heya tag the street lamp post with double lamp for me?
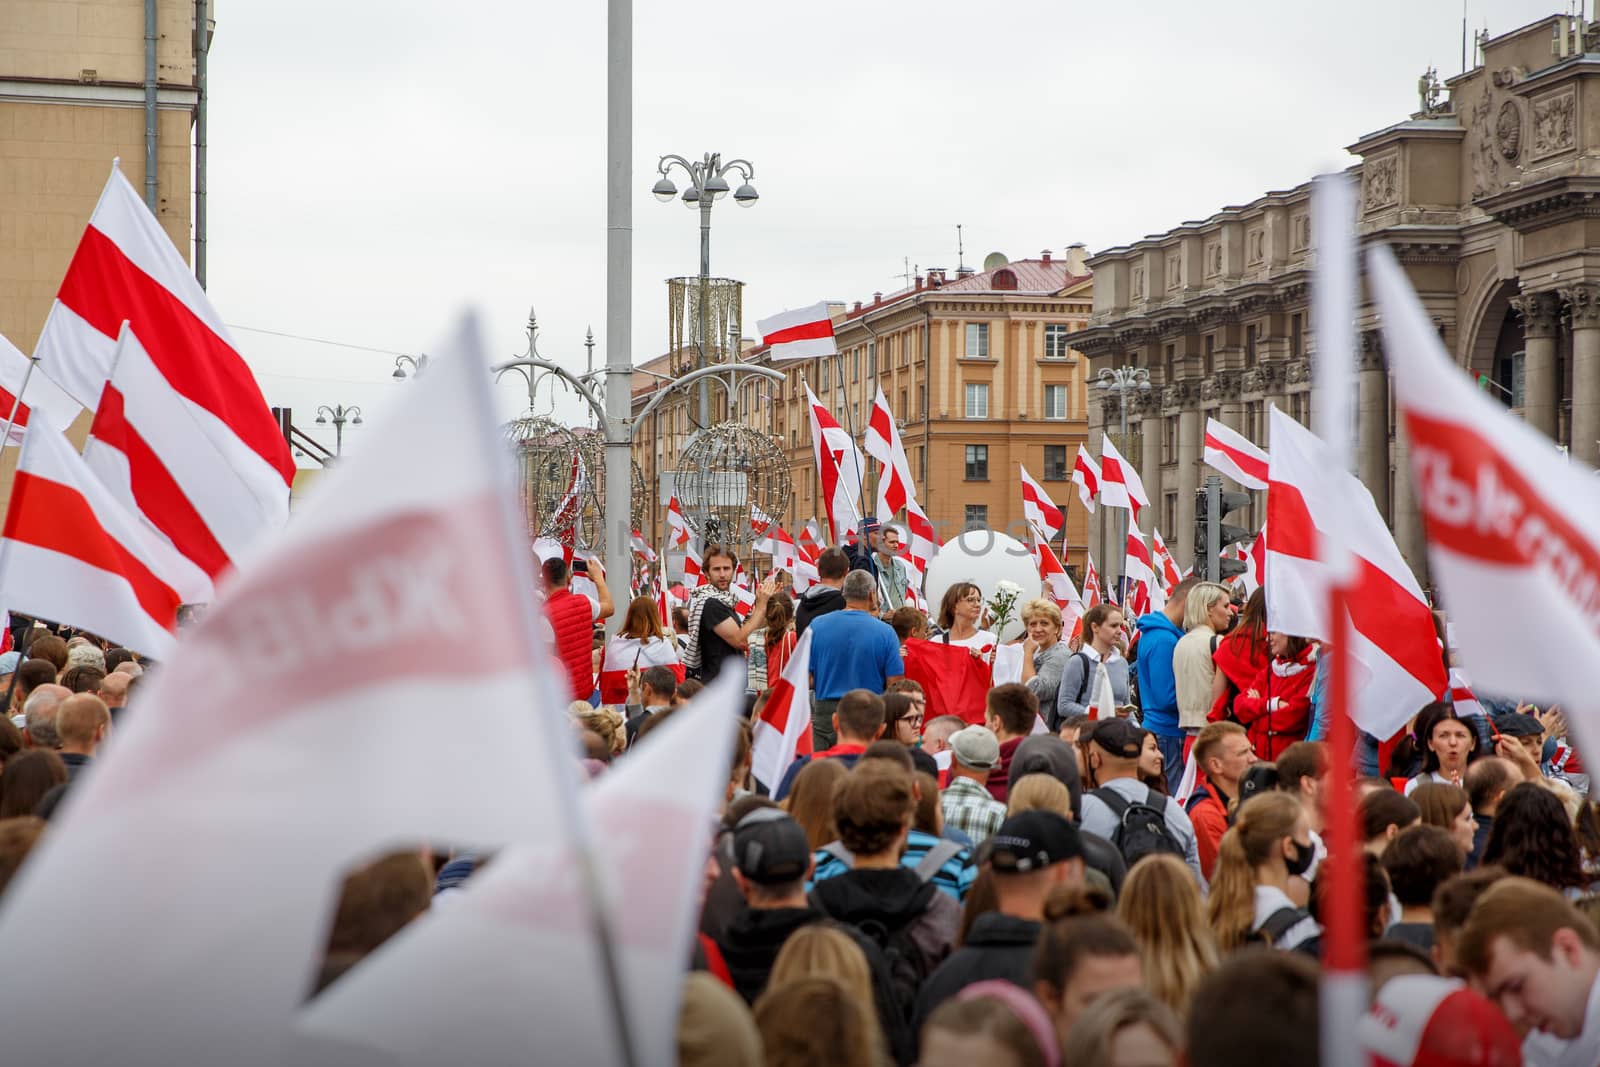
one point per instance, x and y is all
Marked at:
(338, 415)
(1124, 381)
(708, 183)
(418, 364)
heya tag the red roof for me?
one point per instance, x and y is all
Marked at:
(1027, 276)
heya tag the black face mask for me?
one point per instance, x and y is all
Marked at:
(1303, 855)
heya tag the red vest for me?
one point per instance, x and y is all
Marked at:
(572, 620)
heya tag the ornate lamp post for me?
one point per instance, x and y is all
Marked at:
(1123, 381)
(338, 415)
(418, 364)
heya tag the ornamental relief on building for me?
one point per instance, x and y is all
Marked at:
(1583, 305)
(1554, 124)
(1298, 371)
(1272, 376)
(1380, 182)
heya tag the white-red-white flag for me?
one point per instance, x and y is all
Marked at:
(71, 552)
(154, 450)
(1086, 476)
(1396, 665)
(811, 541)
(678, 533)
(839, 467)
(41, 394)
(126, 269)
(1165, 566)
(1092, 592)
(694, 575)
(1461, 694)
(1037, 507)
(882, 442)
(783, 729)
(1120, 486)
(287, 727)
(1511, 522)
(1232, 454)
(744, 598)
(642, 547)
(1058, 585)
(623, 654)
(1144, 589)
(803, 333)
(482, 978)
(923, 541)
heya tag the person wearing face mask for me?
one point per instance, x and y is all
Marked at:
(1269, 843)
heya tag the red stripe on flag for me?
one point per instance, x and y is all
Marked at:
(57, 518)
(104, 287)
(159, 497)
(775, 713)
(1256, 468)
(805, 331)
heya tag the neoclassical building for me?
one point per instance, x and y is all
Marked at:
(1490, 198)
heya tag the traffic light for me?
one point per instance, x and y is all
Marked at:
(1211, 506)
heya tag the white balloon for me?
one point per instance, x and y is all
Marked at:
(985, 558)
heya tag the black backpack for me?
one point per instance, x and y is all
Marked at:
(1141, 826)
(1280, 923)
(905, 962)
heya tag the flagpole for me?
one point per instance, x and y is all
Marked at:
(16, 402)
(850, 428)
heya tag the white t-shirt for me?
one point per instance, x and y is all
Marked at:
(977, 640)
(1411, 784)
(1269, 900)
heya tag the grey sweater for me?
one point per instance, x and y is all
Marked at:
(1076, 689)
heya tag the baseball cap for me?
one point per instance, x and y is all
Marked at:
(870, 523)
(1419, 1020)
(770, 847)
(1032, 841)
(1517, 724)
(1119, 737)
(975, 747)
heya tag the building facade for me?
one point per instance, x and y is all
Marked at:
(980, 370)
(73, 96)
(1491, 202)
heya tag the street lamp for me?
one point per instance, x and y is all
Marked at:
(708, 183)
(418, 364)
(338, 415)
(1124, 381)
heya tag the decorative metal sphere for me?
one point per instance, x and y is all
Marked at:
(562, 481)
(726, 471)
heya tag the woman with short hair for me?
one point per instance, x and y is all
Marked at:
(1043, 654)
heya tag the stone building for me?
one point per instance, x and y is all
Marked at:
(980, 370)
(1491, 201)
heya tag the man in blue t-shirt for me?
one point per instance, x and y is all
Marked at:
(850, 649)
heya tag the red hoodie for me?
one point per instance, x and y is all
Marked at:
(1280, 712)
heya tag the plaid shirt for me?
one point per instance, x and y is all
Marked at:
(969, 808)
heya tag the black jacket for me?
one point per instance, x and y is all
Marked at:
(997, 946)
(818, 600)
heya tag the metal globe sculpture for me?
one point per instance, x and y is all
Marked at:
(727, 473)
(562, 482)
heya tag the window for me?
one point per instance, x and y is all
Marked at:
(1296, 340)
(1169, 439)
(1252, 420)
(977, 463)
(1055, 463)
(1170, 506)
(872, 359)
(922, 400)
(1169, 357)
(1211, 352)
(903, 405)
(1055, 401)
(855, 367)
(905, 349)
(977, 516)
(1299, 408)
(1055, 340)
(977, 400)
(977, 340)
(1250, 345)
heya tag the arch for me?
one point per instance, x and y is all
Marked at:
(1005, 278)
(1487, 314)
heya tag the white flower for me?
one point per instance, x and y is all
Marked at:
(1008, 588)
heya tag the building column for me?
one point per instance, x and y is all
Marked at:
(1179, 541)
(1229, 387)
(1583, 302)
(1105, 526)
(1148, 408)
(1372, 422)
(1541, 390)
(1407, 518)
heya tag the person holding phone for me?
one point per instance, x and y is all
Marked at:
(572, 617)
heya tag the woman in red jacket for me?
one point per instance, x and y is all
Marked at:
(1276, 710)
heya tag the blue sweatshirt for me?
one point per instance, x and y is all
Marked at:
(1158, 689)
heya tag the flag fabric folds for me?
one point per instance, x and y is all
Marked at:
(1162, 563)
(1511, 522)
(622, 654)
(882, 442)
(1037, 507)
(955, 681)
(1144, 592)
(41, 394)
(783, 729)
(299, 696)
(1395, 657)
(1086, 476)
(126, 269)
(1231, 454)
(803, 333)
(70, 551)
(1120, 486)
(839, 469)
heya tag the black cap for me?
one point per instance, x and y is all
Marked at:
(1119, 737)
(1032, 841)
(770, 848)
(1517, 724)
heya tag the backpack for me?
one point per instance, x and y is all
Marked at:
(1141, 826)
(1278, 923)
(906, 965)
(927, 868)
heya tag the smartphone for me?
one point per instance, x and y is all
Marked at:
(580, 566)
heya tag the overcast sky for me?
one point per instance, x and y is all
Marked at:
(376, 165)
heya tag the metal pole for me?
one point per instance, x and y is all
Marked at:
(1127, 512)
(1213, 528)
(619, 380)
(150, 120)
(702, 356)
(16, 404)
(850, 428)
(202, 48)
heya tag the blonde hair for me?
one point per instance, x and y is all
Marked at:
(1263, 822)
(607, 722)
(1202, 598)
(821, 950)
(1039, 792)
(1041, 606)
(1161, 904)
(1108, 1015)
(816, 1020)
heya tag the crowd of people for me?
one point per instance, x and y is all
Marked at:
(1033, 879)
